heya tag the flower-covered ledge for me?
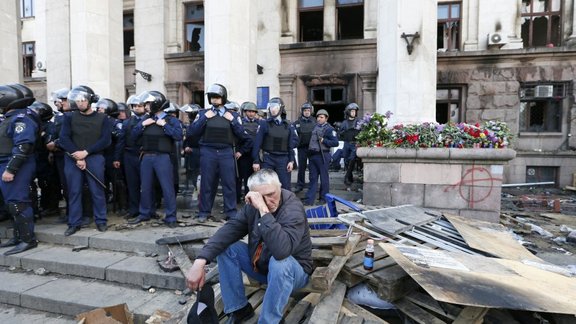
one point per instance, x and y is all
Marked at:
(463, 179)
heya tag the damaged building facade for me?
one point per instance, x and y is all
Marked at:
(506, 60)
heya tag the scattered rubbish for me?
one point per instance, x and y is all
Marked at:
(146, 287)
(182, 301)
(159, 317)
(178, 292)
(540, 230)
(571, 238)
(362, 294)
(562, 250)
(41, 271)
(78, 248)
(151, 255)
(169, 264)
(118, 314)
(565, 229)
(152, 290)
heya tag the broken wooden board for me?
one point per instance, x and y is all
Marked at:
(298, 312)
(323, 277)
(471, 315)
(399, 219)
(480, 281)
(416, 313)
(327, 309)
(181, 239)
(492, 238)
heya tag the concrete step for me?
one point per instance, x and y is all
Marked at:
(72, 296)
(14, 314)
(105, 265)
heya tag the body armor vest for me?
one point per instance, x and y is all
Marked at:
(218, 131)
(6, 142)
(155, 140)
(130, 140)
(86, 129)
(305, 132)
(277, 138)
(350, 133)
(250, 127)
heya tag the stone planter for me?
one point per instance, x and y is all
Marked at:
(465, 182)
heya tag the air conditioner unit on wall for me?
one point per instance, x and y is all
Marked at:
(543, 91)
(496, 39)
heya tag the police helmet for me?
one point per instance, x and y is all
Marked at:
(232, 105)
(8, 95)
(28, 96)
(217, 90)
(59, 95)
(133, 100)
(43, 110)
(172, 108)
(192, 110)
(109, 106)
(307, 105)
(350, 107)
(275, 107)
(122, 107)
(249, 106)
(156, 99)
(81, 93)
(322, 112)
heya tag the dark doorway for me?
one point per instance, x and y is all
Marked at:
(336, 112)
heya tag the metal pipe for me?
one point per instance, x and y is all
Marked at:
(509, 185)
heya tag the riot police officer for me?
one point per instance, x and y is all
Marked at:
(277, 138)
(250, 122)
(84, 136)
(159, 132)
(112, 153)
(222, 141)
(304, 126)
(18, 134)
(192, 149)
(348, 131)
(322, 139)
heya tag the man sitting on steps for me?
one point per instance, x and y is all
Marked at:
(278, 253)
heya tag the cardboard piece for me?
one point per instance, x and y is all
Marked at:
(117, 314)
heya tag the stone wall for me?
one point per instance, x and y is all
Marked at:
(464, 182)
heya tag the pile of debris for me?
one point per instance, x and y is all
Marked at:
(428, 268)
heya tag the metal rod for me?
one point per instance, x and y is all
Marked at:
(508, 185)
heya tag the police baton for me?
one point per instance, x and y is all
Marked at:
(100, 183)
(321, 150)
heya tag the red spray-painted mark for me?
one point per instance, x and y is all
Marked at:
(471, 177)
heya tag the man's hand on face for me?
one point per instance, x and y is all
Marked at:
(195, 277)
(255, 199)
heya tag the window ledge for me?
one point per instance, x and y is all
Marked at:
(540, 134)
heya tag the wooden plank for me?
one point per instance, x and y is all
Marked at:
(361, 312)
(322, 255)
(382, 221)
(328, 241)
(416, 313)
(357, 258)
(301, 308)
(194, 236)
(471, 315)
(429, 303)
(323, 277)
(392, 283)
(181, 258)
(325, 312)
(327, 233)
(346, 248)
(351, 320)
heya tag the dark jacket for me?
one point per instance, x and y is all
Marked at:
(284, 234)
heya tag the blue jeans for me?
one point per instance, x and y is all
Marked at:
(284, 276)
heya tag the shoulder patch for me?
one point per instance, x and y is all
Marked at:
(334, 133)
(19, 127)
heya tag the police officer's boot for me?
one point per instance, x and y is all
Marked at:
(25, 227)
(15, 240)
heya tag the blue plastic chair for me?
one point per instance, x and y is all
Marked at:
(329, 210)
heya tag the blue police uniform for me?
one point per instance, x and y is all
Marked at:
(130, 157)
(322, 139)
(91, 133)
(349, 129)
(304, 127)
(58, 155)
(18, 134)
(219, 138)
(158, 143)
(245, 169)
(277, 139)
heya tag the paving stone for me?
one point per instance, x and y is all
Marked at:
(142, 271)
(14, 314)
(86, 263)
(135, 240)
(14, 260)
(165, 300)
(50, 233)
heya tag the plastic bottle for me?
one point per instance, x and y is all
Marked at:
(369, 255)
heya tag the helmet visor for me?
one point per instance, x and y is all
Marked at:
(274, 108)
(78, 95)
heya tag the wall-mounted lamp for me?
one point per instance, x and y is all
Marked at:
(409, 38)
(145, 76)
(259, 69)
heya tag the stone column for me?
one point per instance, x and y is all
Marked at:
(472, 11)
(96, 46)
(174, 25)
(10, 51)
(230, 56)
(329, 20)
(571, 41)
(289, 21)
(407, 83)
(370, 18)
(287, 93)
(368, 102)
(150, 44)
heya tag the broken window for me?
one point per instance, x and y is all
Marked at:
(194, 27)
(541, 23)
(448, 103)
(350, 19)
(128, 25)
(541, 107)
(26, 8)
(311, 14)
(449, 26)
(541, 174)
(28, 57)
(328, 95)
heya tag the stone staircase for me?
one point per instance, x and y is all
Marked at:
(65, 276)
